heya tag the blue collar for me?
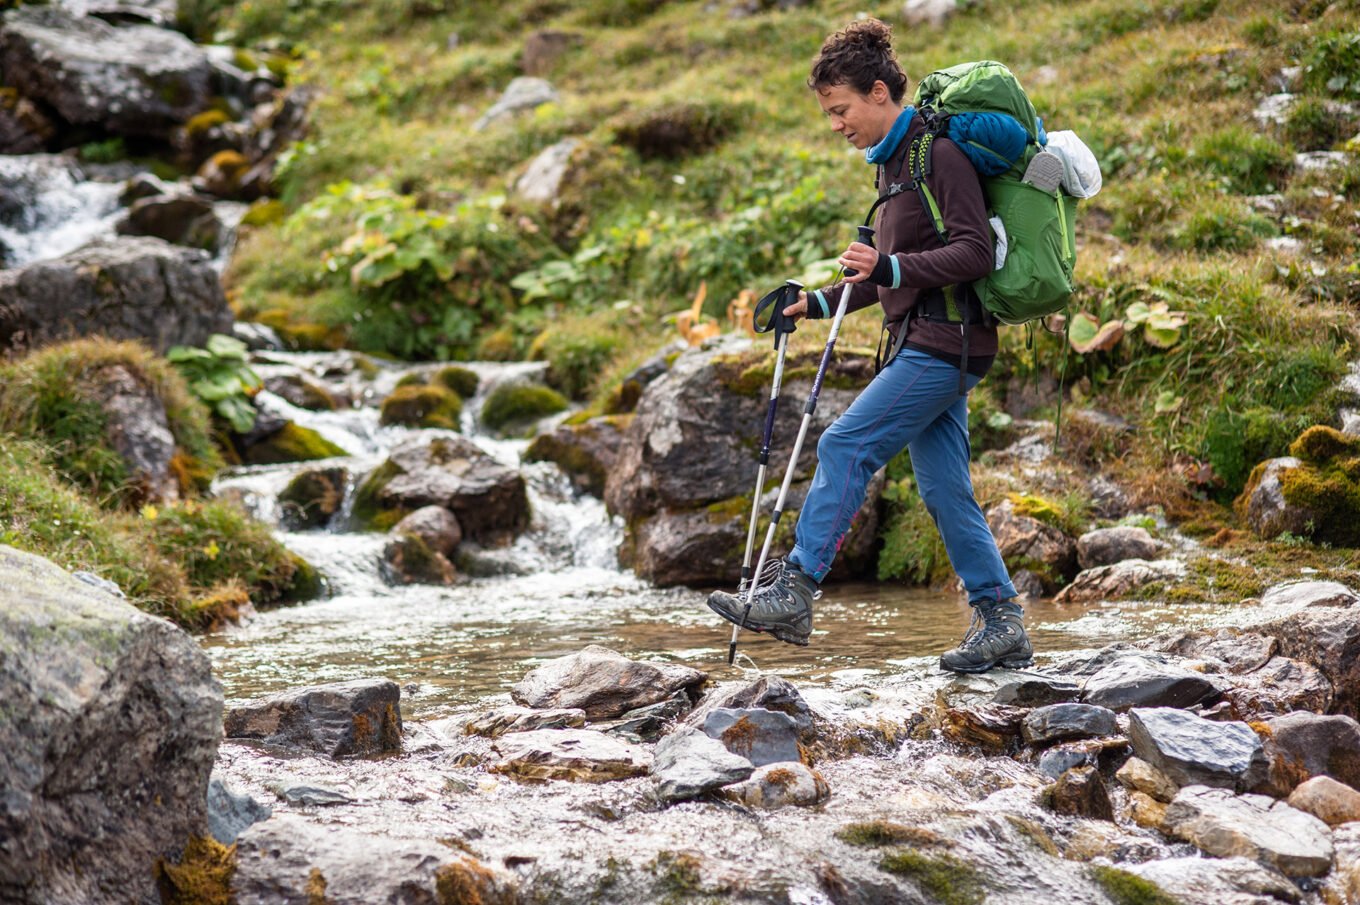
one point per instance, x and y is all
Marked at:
(884, 150)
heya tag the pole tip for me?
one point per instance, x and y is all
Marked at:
(731, 653)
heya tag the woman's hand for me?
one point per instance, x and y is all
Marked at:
(798, 309)
(861, 258)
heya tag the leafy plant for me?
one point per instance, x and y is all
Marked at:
(221, 377)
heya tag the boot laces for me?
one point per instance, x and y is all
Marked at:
(977, 629)
(774, 579)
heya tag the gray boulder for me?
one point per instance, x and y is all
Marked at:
(1281, 685)
(523, 93)
(585, 452)
(1029, 543)
(1327, 637)
(108, 733)
(761, 736)
(1063, 721)
(1238, 652)
(181, 219)
(1120, 580)
(1107, 546)
(1140, 682)
(24, 128)
(1195, 751)
(135, 81)
(132, 288)
(1037, 691)
(1268, 513)
(495, 723)
(766, 693)
(288, 859)
(136, 427)
(543, 178)
(687, 763)
(488, 498)
(1297, 595)
(436, 526)
(1222, 881)
(340, 719)
(603, 683)
(1253, 826)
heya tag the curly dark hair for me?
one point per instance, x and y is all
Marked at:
(859, 56)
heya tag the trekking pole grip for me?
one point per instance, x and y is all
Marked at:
(866, 236)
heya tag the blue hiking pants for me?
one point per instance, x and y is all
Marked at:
(913, 403)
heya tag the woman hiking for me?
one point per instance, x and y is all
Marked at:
(940, 348)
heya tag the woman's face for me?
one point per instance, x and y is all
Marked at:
(863, 119)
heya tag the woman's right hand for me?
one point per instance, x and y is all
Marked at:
(798, 309)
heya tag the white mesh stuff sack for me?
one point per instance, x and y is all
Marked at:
(1081, 170)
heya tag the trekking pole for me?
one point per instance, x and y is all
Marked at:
(781, 325)
(866, 235)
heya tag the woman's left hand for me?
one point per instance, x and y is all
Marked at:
(861, 258)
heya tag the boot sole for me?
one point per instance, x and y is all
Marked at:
(1011, 663)
(779, 632)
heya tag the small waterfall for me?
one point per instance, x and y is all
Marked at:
(49, 208)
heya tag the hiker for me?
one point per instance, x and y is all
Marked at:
(918, 400)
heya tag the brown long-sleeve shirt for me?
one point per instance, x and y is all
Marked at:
(906, 230)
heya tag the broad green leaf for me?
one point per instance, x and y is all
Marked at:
(1082, 330)
(1168, 401)
(187, 353)
(224, 346)
(1137, 312)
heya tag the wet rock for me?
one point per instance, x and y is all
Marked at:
(542, 180)
(111, 720)
(1081, 792)
(992, 726)
(1280, 686)
(761, 736)
(1146, 811)
(312, 497)
(406, 559)
(1137, 682)
(1222, 881)
(436, 526)
(584, 452)
(1028, 585)
(1329, 639)
(766, 693)
(315, 796)
(1326, 799)
(1063, 721)
(579, 755)
(1292, 595)
(603, 683)
(289, 858)
(1344, 883)
(1056, 761)
(340, 719)
(131, 288)
(1268, 513)
(689, 763)
(137, 80)
(1303, 745)
(650, 722)
(781, 785)
(495, 723)
(297, 389)
(1238, 652)
(488, 498)
(1029, 543)
(180, 219)
(1107, 546)
(1137, 774)
(1037, 691)
(1194, 751)
(230, 812)
(1120, 580)
(1252, 826)
(259, 337)
(523, 93)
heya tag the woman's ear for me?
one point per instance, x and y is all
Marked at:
(879, 92)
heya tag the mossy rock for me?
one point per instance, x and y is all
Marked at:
(1332, 495)
(368, 513)
(293, 443)
(1125, 888)
(422, 405)
(408, 559)
(265, 212)
(520, 402)
(202, 122)
(576, 352)
(462, 381)
(312, 497)
(1320, 445)
(499, 345)
(202, 876)
(303, 336)
(945, 878)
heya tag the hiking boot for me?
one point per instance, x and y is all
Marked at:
(782, 604)
(997, 636)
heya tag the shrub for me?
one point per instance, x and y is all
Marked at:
(680, 128)
(577, 351)
(1313, 125)
(1332, 64)
(1248, 162)
(52, 396)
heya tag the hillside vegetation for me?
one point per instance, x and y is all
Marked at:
(703, 161)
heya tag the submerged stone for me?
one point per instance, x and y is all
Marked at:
(230, 812)
(1222, 881)
(780, 785)
(340, 719)
(761, 736)
(581, 755)
(495, 723)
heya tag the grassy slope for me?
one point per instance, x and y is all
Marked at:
(1163, 91)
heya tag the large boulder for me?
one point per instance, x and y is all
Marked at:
(132, 288)
(108, 731)
(1302, 745)
(1327, 637)
(488, 498)
(1027, 543)
(585, 452)
(603, 683)
(136, 81)
(1268, 513)
(180, 218)
(1254, 826)
(1191, 750)
(1140, 682)
(689, 763)
(1222, 881)
(1120, 580)
(1107, 546)
(341, 719)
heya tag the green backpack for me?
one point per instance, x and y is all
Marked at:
(982, 108)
